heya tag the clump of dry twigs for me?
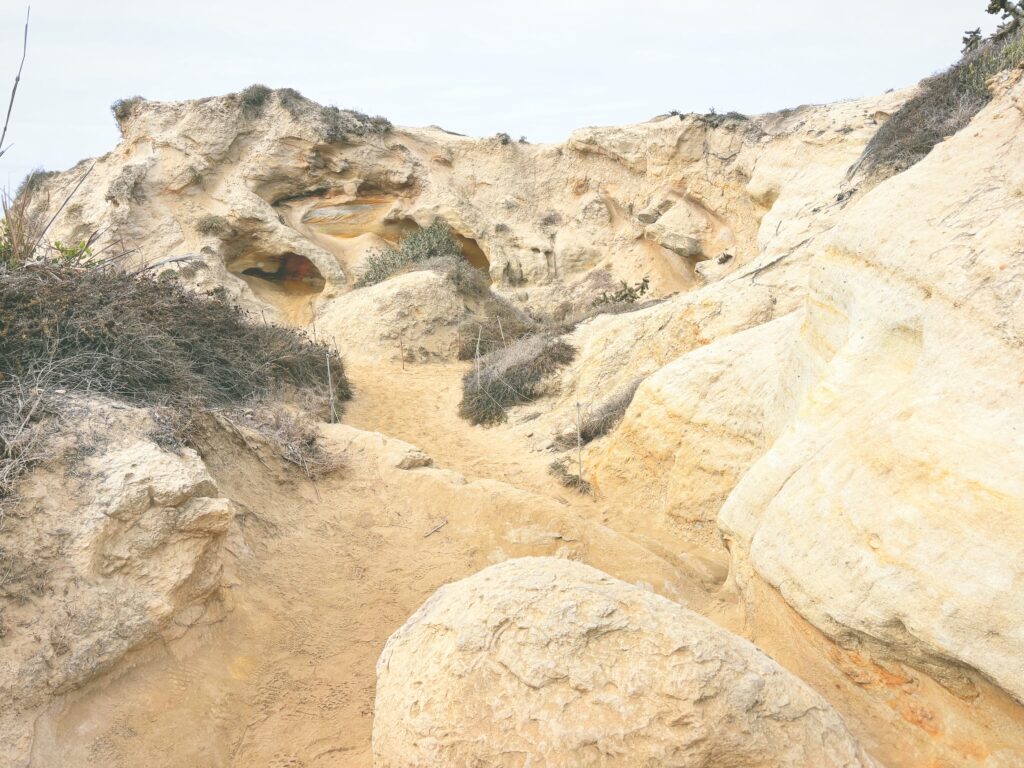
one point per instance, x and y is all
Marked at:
(509, 376)
(76, 330)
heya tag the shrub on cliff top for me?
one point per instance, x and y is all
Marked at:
(253, 99)
(945, 103)
(123, 108)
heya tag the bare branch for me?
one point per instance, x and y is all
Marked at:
(17, 79)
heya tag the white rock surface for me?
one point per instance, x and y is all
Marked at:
(543, 661)
(891, 511)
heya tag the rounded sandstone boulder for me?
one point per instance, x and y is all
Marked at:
(548, 662)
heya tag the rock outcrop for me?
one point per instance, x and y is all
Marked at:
(551, 662)
(286, 197)
(104, 554)
(909, 408)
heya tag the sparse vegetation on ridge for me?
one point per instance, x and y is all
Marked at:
(945, 103)
(122, 108)
(254, 98)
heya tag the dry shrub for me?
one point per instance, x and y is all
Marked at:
(423, 245)
(600, 421)
(144, 341)
(560, 469)
(510, 376)
(22, 228)
(501, 326)
(295, 438)
(152, 342)
(945, 103)
(24, 402)
(467, 279)
(122, 109)
(253, 99)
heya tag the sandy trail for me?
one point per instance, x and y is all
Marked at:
(420, 404)
(282, 672)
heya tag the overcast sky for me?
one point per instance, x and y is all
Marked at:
(538, 68)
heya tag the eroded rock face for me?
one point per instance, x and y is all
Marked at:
(693, 429)
(551, 662)
(103, 554)
(227, 184)
(906, 447)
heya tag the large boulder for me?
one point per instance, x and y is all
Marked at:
(543, 661)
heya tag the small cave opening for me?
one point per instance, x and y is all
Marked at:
(289, 273)
(473, 252)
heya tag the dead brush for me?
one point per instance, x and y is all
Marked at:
(503, 325)
(559, 469)
(165, 347)
(600, 420)
(22, 228)
(510, 376)
(294, 437)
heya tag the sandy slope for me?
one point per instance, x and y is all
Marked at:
(281, 671)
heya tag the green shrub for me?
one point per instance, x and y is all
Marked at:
(945, 103)
(627, 294)
(123, 108)
(253, 99)
(436, 241)
(510, 376)
(214, 226)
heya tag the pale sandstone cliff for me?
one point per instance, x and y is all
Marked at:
(830, 415)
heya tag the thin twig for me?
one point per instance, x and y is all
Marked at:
(436, 528)
(330, 387)
(17, 79)
(62, 207)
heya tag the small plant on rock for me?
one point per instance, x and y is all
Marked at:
(627, 294)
